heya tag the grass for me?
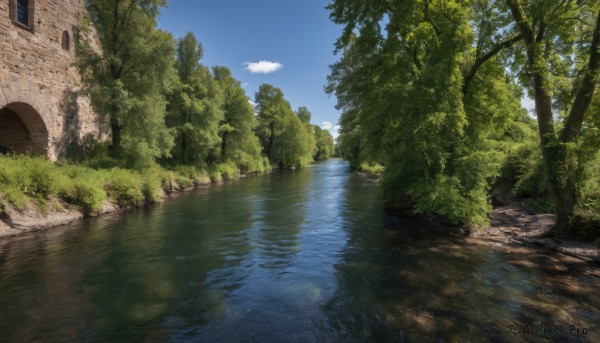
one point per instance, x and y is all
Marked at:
(373, 169)
(33, 180)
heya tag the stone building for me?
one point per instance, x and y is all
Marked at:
(41, 109)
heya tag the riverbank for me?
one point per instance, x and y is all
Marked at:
(512, 226)
(36, 194)
(17, 222)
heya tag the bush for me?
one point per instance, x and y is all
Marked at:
(191, 173)
(215, 175)
(585, 224)
(228, 170)
(373, 169)
(15, 196)
(24, 177)
(522, 175)
(125, 187)
(152, 186)
(87, 195)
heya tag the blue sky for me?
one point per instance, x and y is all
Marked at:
(295, 38)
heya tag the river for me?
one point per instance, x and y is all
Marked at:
(294, 256)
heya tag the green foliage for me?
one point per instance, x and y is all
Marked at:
(287, 139)
(215, 174)
(128, 78)
(372, 169)
(420, 113)
(228, 171)
(239, 143)
(193, 173)
(15, 196)
(152, 186)
(162, 104)
(97, 155)
(25, 180)
(79, 186)
(125, 187)
(432, 90)
(324, 146)
(195, 106)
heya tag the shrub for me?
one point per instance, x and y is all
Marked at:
(15, 196)
(228, 170)
(373, 169)
(152, 186)
(125, 187)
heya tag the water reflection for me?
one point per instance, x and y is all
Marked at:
(402, 281)
(294, 256)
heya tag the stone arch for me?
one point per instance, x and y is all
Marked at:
(22, 130)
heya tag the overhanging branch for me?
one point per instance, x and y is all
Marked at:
(480, 61)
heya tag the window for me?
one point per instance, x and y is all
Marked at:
(66, 41)
(23, 12)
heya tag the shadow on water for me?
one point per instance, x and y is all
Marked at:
(402, 280)
(296, 256)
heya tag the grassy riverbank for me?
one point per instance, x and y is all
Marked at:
(31, 180)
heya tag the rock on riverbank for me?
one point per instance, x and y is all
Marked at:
(512, 225)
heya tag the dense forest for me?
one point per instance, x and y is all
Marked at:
(172, 121)
(431, 91)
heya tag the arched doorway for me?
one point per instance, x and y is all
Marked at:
(22, 130)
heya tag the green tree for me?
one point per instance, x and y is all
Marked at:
(310, 141)
(304, 115)
(239, 143)
(195, 109)
(129, 75)
(423, 110)
(561, 56)
(271, 108)
(286, 140)
(439, 102)
(325, 147)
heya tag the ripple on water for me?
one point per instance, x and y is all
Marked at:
(295, 256)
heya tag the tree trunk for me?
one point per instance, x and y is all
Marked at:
(184, 147)
(116, 129)
(553, 150)
(271, 138)
(563, 192)
(223, 144)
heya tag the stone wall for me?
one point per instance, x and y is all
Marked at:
(38, 80)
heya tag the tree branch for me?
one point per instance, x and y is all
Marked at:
(538, 71)
(480, 61)
(586, 90)
(428, 18)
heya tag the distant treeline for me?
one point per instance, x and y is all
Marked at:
(163, 106)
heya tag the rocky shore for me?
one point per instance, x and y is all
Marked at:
(513, 225)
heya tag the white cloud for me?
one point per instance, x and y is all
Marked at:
(263, 67)
(245, 84)
(327, 125)
(334, 130)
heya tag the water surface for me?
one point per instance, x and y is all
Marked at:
(298, 256)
